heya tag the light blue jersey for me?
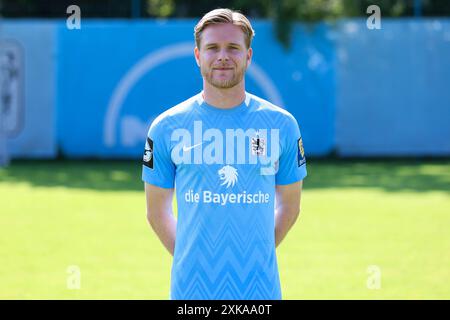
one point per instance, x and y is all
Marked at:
(224, 165)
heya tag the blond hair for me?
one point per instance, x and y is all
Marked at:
(219, 16)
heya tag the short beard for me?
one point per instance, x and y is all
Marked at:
(224, 84)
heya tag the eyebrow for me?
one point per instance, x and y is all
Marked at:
(215, 44)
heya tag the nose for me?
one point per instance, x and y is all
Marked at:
(223, 55)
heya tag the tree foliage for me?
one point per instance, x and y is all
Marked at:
(282, 12)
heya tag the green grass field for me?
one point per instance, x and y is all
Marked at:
(391, 214)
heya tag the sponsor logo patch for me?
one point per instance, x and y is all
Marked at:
(300, 153)
(148, 154)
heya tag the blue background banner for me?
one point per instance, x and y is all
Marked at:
(115, 77)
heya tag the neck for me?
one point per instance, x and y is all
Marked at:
(224, 98)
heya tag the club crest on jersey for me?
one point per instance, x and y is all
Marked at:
(258, 145)
(301, 153)
(228, 175)
(148, 154)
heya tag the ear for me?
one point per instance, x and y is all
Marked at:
(197, 56)
(249, 56)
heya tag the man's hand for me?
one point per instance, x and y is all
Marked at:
(287, 208)
(160, 216)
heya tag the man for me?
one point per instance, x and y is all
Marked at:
(226, 153)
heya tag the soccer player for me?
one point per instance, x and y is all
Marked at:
(227, 154)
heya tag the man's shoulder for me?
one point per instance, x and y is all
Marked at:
(274, 111)
(172, 114)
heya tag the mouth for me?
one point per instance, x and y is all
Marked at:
(222, 69)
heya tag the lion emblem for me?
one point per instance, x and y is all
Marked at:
(229, 175)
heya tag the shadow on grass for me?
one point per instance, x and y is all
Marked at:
(390, 175)
(82, 174)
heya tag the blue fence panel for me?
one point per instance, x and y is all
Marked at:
(35, 41)
(393, 94)
(364, 92)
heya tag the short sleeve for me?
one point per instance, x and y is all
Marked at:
(157, 166)
(292, 162)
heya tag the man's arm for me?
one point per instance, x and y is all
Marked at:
(160, 216)
(287, 209)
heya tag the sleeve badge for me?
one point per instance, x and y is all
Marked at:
(148, 154)
(300, 153)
